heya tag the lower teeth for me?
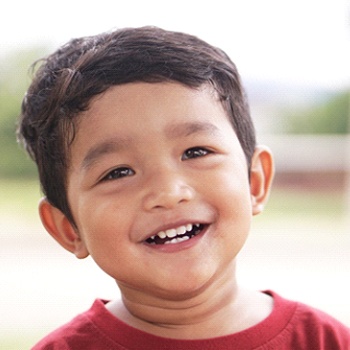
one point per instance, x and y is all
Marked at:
(177, 240)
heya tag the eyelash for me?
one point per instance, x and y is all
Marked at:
(118, 173)
(195, 152)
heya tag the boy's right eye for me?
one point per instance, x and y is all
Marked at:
(118, 173)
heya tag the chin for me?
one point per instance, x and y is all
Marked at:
(186, 286)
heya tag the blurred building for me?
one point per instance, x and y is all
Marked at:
(312, 161)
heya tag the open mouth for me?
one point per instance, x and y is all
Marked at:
(176, 235)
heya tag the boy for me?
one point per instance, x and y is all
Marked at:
(147, 158)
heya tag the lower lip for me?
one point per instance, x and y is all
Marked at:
(175, 247)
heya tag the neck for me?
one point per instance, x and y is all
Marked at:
(218, 309)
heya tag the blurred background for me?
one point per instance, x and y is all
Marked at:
(293, 57)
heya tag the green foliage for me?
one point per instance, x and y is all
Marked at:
(329, 117)
(14, 80)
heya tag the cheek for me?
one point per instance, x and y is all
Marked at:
(231, 193)
(231, 188)
(105, 237)
(100, 224)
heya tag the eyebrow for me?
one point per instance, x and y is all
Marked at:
(190, 128)
(106, 147)
(117, 144)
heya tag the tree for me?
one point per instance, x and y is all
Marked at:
(14, 80)
(328, 117)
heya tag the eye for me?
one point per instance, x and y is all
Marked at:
(118, 173)
(195, 152)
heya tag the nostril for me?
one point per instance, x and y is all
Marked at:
(167, 197)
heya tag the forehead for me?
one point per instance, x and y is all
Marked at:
(133, 96)
(147, 102)
(147, 111)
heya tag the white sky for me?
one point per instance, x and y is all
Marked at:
(294, 41)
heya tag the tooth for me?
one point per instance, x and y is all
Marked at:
(161, 234)
(173, 241)
(189, 227)
(171, 233)
(181, 230)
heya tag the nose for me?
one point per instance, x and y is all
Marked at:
(165, 189)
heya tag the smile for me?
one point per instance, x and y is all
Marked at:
(176, 235)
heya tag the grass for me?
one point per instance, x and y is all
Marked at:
(20, 197)
(291, 201)
(288, 209)
(309, 211)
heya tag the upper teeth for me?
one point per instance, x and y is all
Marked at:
(171, 233)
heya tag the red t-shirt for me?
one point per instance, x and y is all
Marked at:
(290, 325)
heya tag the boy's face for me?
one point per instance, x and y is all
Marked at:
(151, 160)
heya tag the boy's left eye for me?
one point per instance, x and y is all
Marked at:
(195, 152)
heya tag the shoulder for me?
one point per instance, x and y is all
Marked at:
(322, 323)
(79, 333)
(309, 327)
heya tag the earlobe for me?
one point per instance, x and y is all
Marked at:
(61, 229)
(261, 176)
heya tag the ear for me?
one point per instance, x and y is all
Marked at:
(61, 229)
(261, 175)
